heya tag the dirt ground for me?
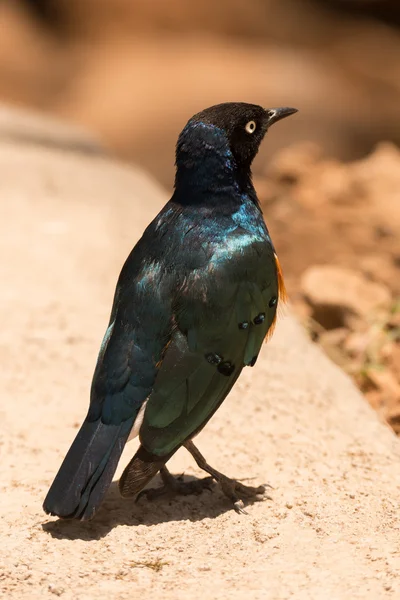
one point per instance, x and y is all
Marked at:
(336, 226)
(69, 216)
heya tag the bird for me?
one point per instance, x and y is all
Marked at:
(194, 301)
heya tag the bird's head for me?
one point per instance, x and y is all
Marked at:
(230, 133)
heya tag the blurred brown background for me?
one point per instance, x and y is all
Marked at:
(134, 71)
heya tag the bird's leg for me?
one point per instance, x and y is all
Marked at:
(174, 486)
(234, 490)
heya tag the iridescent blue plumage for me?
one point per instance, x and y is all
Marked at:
(194, 301)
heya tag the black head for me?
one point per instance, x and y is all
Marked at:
(244, 126)
(216, 148)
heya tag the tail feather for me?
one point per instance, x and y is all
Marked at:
(86, 473)
(140, 471)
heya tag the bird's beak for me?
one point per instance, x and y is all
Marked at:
(276, 114)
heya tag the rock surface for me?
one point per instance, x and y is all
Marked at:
(67, 222)
(337, 228)
(344, 294)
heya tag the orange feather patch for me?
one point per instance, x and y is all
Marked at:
(282, 295)
(281, 284)
(159, 363)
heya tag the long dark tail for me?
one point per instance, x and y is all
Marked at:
(88, 468)
(140, 471)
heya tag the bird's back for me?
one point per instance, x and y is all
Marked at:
(224, 293)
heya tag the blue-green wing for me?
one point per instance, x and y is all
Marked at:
(220, 327)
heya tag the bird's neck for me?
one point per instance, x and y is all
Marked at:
(206, 170)
(203, 183)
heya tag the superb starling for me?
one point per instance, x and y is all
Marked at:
(194, 301)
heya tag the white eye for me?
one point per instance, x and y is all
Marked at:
(251, 127)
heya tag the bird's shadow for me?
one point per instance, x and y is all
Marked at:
(116, 511)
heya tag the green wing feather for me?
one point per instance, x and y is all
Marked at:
(189, 388)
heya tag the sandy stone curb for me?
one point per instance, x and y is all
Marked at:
(67, 222)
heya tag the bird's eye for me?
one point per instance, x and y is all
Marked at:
(251, 127)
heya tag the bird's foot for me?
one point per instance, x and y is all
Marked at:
(237, 491)
(174, 486)
(234, 490)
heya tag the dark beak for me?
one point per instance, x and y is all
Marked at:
(276, 114)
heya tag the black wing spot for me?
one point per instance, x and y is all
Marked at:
(253, 361)
(259, 319)
(226, 368)
(273, 302)
(244, 325)
(213, 359)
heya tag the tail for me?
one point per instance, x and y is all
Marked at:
(86, 473)
(140, 471)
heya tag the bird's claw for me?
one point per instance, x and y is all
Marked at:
(236, 491)
(239, 507)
